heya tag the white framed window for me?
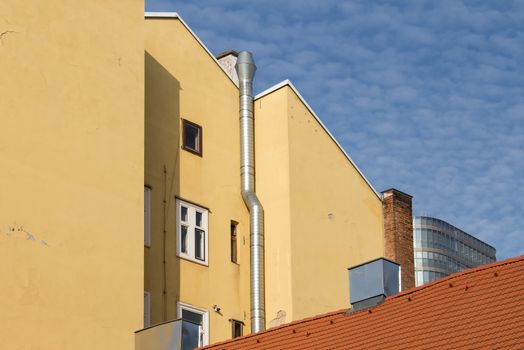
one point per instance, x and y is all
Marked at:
(147, 216)
(147, 309)
(196, 315)
(192, 227)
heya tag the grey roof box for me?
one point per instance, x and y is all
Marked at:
(371, 282)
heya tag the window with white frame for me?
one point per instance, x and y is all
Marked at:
(147, 309)
(147, 216)
(196, 315)
(192, 237)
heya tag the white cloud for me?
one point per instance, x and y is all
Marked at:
(425, 96)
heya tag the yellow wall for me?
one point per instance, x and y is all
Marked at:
(74, 165)
(334, 219)
(183, 81)
(302, 177)
(71, 154)
(273, 189)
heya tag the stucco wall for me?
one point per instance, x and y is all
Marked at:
(336, 218)
(321, 215)
(183, 81)
(273, 189)
(71, 154)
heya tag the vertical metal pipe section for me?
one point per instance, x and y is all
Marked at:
(245, 68)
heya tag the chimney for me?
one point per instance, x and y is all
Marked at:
(398, 233)
(227, 60)
(371, 282)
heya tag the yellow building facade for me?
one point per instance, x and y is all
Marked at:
(185, 83)
(321, 214)
(71, 160)
(332, 216)
(121, 189)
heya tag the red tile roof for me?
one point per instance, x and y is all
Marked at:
(480, 308)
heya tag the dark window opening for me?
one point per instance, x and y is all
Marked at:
(234, 249)
(236, 328)
(183, 239)
(192, 137)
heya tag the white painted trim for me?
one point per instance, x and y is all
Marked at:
(191, 226)
(290, 84)
(205, 318)
(174, 15)
(274, 88)
(161, 15)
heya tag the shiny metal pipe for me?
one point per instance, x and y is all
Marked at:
(245, 68)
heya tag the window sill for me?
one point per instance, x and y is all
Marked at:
(190, 150)
(196, 261)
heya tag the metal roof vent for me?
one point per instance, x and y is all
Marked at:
(371, 282)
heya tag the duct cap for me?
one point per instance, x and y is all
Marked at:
(371, 282)
(245, 66)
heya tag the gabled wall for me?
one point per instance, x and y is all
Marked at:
(184, 81)
(334, 217)
(71, 160)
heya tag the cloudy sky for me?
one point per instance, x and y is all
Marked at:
(426, 97)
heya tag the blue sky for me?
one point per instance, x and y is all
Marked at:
(426, 97)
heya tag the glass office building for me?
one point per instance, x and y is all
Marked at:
(442, 249)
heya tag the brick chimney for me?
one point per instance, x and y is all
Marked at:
(398, 233)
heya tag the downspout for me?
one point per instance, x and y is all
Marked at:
(245, 68)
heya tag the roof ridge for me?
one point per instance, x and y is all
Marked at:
(457, 275)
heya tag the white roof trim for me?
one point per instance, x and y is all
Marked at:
(174, 15)
(290, 84)
(161, 15)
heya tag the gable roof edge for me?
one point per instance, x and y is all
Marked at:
(175, 15)
(287, 82)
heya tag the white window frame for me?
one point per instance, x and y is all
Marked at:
(191, 226)
(147, 216)
(147, 309)
(205, 319)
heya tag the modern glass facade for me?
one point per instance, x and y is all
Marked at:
(442, 249)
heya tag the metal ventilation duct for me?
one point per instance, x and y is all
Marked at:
(245, 68)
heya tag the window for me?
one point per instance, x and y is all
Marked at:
(236, 328)
(233, 239)
(147, 216)
(147, 309)
(195, 315)
(192, 242)
(192, 137)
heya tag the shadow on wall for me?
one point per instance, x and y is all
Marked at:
(162, 169)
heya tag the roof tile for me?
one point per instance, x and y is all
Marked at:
(474, 309)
